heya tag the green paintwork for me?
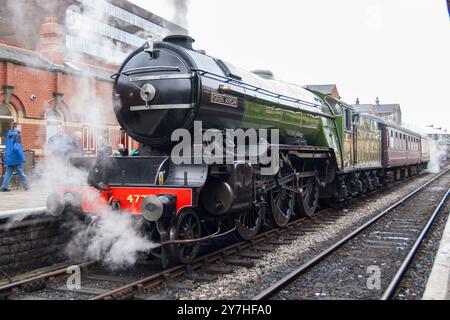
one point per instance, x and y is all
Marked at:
(314, 129)
(321, 131)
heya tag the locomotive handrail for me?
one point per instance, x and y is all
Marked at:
(215, 235)
(129, 72)
(255, 88)
(247, 86)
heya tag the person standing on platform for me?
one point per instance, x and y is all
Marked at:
(77, 146)
(58, 163)
(14, 158)
(104, 149)
(60, 145)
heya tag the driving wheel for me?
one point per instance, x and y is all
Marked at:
(185, 226)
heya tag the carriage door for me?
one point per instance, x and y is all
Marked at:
(350, 137)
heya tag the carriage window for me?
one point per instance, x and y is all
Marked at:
(396, 140)
(348, 119)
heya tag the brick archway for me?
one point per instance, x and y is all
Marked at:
(60, 107)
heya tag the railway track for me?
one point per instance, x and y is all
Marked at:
(43, 279)
(396, 229)
(241, 254)
(204, 269)
(39, 278)
(218, 262)
(136, 289)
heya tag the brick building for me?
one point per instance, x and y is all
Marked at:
(441, 136)
(56, 62)
(328, 89)
(388, 112)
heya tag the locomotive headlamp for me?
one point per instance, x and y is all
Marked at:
(56, 204)
(153, 207)
(148, 92)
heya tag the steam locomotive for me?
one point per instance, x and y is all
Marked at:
(323, 150)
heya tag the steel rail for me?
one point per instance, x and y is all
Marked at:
(9, 288)
(276, 287)
(389, 292)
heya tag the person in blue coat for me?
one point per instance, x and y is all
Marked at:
(14, 158)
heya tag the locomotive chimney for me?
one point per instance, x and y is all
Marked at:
(181, 40)
(52, 40)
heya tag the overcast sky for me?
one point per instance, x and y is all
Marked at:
(396, 50)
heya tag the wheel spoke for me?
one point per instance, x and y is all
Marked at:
(306, 199)
(307, 203)
(249, 223)
(186, 227)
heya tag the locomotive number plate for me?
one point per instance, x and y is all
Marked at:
(224, 100)
(135, 198)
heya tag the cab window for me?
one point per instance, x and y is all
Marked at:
(348, 119)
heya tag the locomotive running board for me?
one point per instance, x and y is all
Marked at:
(309, 155)
(162, 107)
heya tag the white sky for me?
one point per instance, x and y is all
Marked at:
(397, 50)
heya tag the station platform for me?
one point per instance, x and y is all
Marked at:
(438, 285)
(23, 203)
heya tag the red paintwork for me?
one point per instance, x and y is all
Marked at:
(94, 201)
(403, 155)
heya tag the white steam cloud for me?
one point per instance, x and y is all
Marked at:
(438, 154)
(26, 21)
(114, 238)
(181, 12)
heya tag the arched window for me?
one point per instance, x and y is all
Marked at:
(6, 122)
